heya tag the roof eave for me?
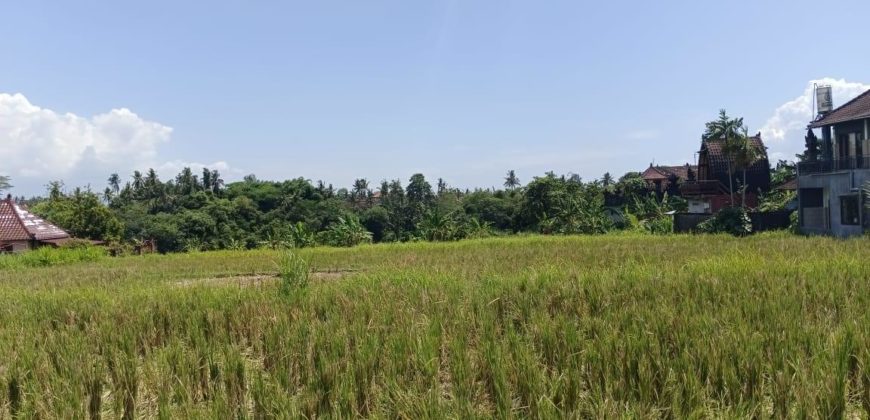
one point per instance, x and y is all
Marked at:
(824, 122)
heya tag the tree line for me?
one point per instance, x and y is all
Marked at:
(202, 212)
(199, 211)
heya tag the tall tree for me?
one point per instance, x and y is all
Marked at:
(115, 183)
(811, 154)
(746, 154)
(442, 187)
(217, 184)
(4, 183)
(360, 192)
(511, 181)
(606, 180)
(729, 131)
(419, 190)
(137, 183)
(206, 179)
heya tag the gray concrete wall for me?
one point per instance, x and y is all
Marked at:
(837, 184)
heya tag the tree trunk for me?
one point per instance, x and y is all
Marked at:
(745, 186)
(731, 182)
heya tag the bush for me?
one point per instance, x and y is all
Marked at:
(346, 232)
(48, 256)
(293, 271)
(733, 220)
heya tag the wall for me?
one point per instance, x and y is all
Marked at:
(761, 221)
(719, 202)
(837, 184)
(20, 246)
(698, 206)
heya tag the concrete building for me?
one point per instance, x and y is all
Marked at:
(836, 168)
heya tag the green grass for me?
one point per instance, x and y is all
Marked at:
(610, 326)
(48, 256)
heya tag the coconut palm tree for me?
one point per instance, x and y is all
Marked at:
(729, 131)
(115, 183)
(511, 181)
(606, 180)
(360, 191)
(4, 183)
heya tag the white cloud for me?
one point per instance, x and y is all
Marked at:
(39, 144)
(785, 130)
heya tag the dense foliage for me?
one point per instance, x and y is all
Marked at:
(201, 212)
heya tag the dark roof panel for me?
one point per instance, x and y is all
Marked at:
(757, 175)
(665, 172)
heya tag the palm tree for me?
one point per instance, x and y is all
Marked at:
(115, 183)
(606, 180)
(729, 131)
(217, 184)
(360, 191)
(511, 181)
(4, 183)
(746, 153)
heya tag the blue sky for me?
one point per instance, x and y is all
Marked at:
(462, 90)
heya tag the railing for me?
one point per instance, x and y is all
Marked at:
(703, 187)
(842, 164)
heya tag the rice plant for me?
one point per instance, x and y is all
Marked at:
(768, 326)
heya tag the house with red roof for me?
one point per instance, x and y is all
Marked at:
(21, 230)
(667, 179)
(711, 190)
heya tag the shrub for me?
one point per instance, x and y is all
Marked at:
(47, 256)
(733, 220)
(346, 232)
(293, 271)
(300, 236)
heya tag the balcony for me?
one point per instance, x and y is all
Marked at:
(825, 166)
(703, 188)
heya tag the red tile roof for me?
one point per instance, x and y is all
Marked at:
(789, 185)
(665, 172)
(855, 109)
(18, 224)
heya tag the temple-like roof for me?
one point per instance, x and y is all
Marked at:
(18, 224)
(757, 174)
(665, 172)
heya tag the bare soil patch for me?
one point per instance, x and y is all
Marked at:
(255, 280)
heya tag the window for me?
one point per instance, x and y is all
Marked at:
(849, 210)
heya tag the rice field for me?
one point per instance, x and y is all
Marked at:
(768, 326)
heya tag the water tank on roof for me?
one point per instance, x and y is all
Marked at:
(824, 101)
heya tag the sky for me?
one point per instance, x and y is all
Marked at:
(459, 90)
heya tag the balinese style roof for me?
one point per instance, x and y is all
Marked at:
(665, 172)
(855, 109)
(788, 185)
(757, 175)
(18, 224)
